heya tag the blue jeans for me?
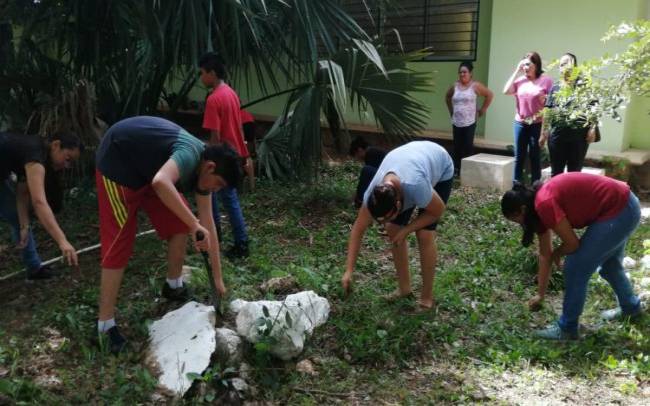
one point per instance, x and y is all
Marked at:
(8, 213)
(602, 246)
(229, 199)
(527, 144)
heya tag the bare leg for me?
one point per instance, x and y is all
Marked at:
(110, 287)
(401, 260)
(176, 246)
(428, 261)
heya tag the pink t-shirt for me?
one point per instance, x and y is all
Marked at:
(222, 114)
(530, 97)
(580, 197)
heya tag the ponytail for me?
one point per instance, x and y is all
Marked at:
(511, 203)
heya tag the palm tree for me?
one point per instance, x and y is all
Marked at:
(131, 51)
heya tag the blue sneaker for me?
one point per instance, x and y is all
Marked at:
(554, 332)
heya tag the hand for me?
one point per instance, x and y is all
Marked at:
(346, 283)
(202, 244)
(481, 112)
(557, 259)
(535, 303)
(221, 288)
(520, 65)
(399, 237)
(543, 138)
(591, 135)
(69, 253)
(24, 236)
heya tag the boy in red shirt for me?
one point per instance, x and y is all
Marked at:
(222, 118)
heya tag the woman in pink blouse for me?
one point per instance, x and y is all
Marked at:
(530, 87)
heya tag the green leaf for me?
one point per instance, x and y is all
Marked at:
(265, 310)
(192, 376)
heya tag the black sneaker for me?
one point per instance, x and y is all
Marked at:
(181, 294)
(111, 339)
(238, 251)
(44, 272)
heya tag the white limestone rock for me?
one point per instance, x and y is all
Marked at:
(230, 347)
(629, 263)
(645, 213)
(645, 263)
(181, 342)
(645, 283)
(306, 311)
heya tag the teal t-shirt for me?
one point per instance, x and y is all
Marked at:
(133, 151)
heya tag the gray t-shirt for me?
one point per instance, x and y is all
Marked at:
(419, 165)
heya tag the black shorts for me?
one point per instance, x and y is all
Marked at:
(443, 189)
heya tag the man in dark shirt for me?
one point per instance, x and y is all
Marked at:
(143, 163)
(371, 158)
(28, 158)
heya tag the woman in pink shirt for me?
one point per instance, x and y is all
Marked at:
(574, 200)
(530, 87)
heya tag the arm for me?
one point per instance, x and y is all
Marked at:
(361, 224)
(22, 207)
(35, 182)
(545, 129)
(570, 241)
(429, 214)
(448, 96)
(204, 205)
(509, 88)
(163, 184)
(488, 96)
(543, 270)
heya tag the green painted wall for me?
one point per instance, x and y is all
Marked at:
(637, 117)
(443, 75)
(553, 27)
(446, 73)
(507, 30)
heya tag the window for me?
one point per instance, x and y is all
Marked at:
(448, 27)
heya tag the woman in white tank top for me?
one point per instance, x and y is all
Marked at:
(461, 101)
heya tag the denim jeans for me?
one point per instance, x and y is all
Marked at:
(230, 200)
(527, 144)
(8, 213)
(463, 144)
(602, 246)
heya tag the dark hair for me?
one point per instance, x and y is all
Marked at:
(68, 140)
(382, 200)
(357, 143)
(573, 58)
(227, 163)
(522, 195)
(466, 64)
(211, 62)
(537, 61)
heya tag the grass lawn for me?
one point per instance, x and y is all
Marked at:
(476, 346)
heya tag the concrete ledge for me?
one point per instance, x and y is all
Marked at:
(636, 157)
(487, 171)
(546, 172)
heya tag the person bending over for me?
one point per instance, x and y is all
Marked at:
(144, 163)
(418, 174)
